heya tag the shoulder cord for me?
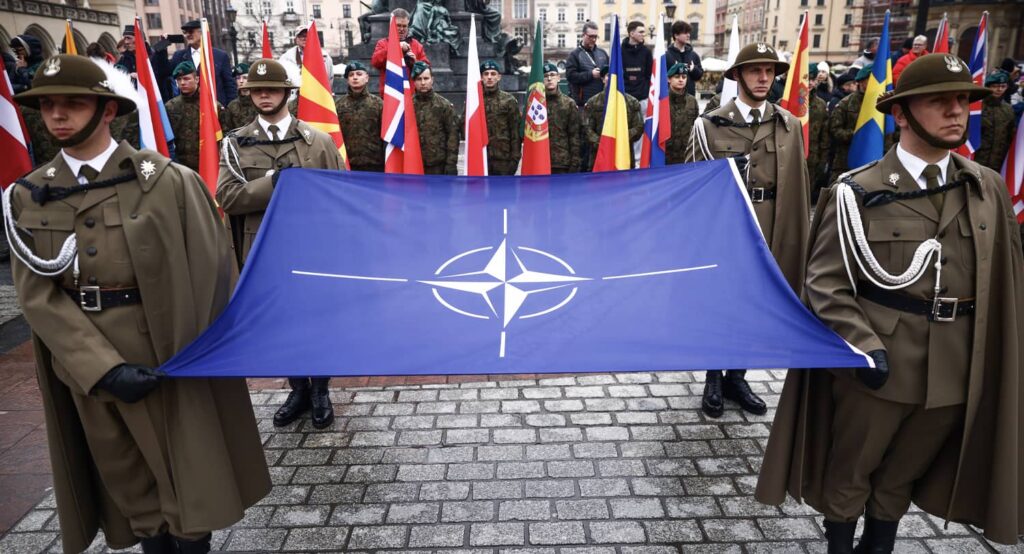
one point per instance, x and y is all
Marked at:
(699, 138)
(229, 153)
(47, 268)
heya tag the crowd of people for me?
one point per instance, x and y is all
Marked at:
(934, 420)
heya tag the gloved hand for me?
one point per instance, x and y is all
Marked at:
(129, 382)
(874, 378)
(741, 162)
(277, 173)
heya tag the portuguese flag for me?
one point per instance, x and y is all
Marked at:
(536, 150)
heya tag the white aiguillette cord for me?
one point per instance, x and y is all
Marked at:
(47, 268)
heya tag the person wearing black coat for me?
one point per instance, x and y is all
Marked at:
(28, 52)
(680, 51)
(583, 66)
(157, 59)
(637, 61)
(227, 90)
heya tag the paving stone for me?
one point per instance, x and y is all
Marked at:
(18, 543)
(391, 492)
(458, 395)
(373, 438)
(773, 547)
(357, 456)
(490, 490)
(548, 452)
(581, 509)
(421, 472)
(687, 449)
(405, 455)
(954, 545)
(437, 535)
(381, 396)
(285, 494)
(690, 432)
(571, 469)
(692, 506)
(456, 421)
(371, 474)
(300, 516)
(422, 512)
(450, 455)
(523, 470)
(679, 417)
(413, 422)
(914, 525)
(481, 407)
(439, 408)
(336, 494)
(467, 511)
(722, 466)
(561, 435)
(444, 491)
(545, 420)
(256, 516)
(731, 530)
(557, 533)
(645, 404)
(464, 436)
(636, 508)
(394, 409)
(33, 521)
(499, 394)
(503, 453)
(417, 396)
(625, 391)
(657, 486)
(595, 450)
(359, 514)
(606, 433)
(520, 407)
(508, 436)
(497, 534)
(673, 531)
(788, 528)
(256, 540)
(563, 405)
(735, 447)
(636, 418)
(317, 474)
(420, 438)
(463, 472)
(524, 510)
(713, 486)
(542, 393)
(492, 421)
(745, 506)
(603, 487)
(649, 550)
(746, 431)
(323, 538)
(550, 488)
(642, 449)
(384, 536)
(584, 392)
(617, 531)
(671, 467)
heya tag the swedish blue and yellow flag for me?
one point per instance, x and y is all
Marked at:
(872, 125)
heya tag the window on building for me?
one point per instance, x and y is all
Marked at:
(265, 8)
(270, 37)
(581, 15)
(291, 36)
(816, 43)
(152, 2)
(561, 15)
(251, 37)
(248, 8)
(848, 19)
(153, 21)
(346, 11)
(783, 44)
(818, 18)
(803, 2)
(523, 34)
(561, 40)
(607, 32)
(846, 40)
(542, 14)
(776, 24)
(289, 6)
(520, 9)
(849, 3)
(821, 2)
(348, 39)
(316, 11)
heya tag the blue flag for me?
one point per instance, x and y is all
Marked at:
(373, 274)
(868, 143)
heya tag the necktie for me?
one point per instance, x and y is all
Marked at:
(88, 173)
(755, 120)
(273, 131)
(931, 175)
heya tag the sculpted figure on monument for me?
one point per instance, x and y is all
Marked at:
(431, 24)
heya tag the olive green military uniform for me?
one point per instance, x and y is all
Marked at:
(504, 136)
(818, 141)
(683, 111)
(842, 123)
(240, 112)
(565, 127)
(712, 104)
(183, 114)
(593, 119)
(439, 133)
(360, 116)
(998, 125)
(944, 430)
(187, 457)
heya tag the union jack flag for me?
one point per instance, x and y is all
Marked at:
(977, 67)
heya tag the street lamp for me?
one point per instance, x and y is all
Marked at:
(231, 13)
(670, 14)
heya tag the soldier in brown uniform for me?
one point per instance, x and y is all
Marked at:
(360, 113)
(564, 124)
(250, 164)
(504, 123)
(937, 420)
(683, 111)
(149, 266)
(438, 125)
(771, 140)
(998, 123)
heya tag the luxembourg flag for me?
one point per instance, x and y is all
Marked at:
(1013, 171)
(977, 67)
(658, 119)
(614, 151)
(398, 125)
(476, 118)
(154, 127)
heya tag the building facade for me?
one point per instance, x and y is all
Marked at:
(833, 32)
(99, 21)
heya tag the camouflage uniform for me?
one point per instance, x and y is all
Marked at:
(504, 136)
(439, 133)
(713, 104)
(841, 125)
(183, 113)
(565, 128)
(360, 118)
(818, 139)
(997, 128)
(241, 112)
(683, 112)
(593, 119)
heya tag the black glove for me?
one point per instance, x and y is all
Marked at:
(741, 162)
(874, 378)
(129, 382)
(281, 166)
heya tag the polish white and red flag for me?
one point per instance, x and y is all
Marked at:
(1013, 171)
(13, 137)
(476, 119)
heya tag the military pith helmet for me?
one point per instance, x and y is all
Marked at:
(267, 73)
(78, 75)
(758, 52)
(930, 74)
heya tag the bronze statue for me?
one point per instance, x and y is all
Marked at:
(431, 24)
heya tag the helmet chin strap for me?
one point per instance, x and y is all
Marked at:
(276, 109)
(746, 89)
(87, 131)
(926, 136)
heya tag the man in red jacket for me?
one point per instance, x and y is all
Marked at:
(411, 48)
(918, 48)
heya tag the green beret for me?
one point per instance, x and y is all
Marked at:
(864, 72)
(355, 66)
(241, 69)
(997, 77)
(812, 69)
(183, 68)
(678, 68)
(419, 67)
(604, 70)
(490, 64)
(550, 68)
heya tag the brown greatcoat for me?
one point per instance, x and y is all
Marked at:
(162, 234)
(776, 161)
(977, 477)
(247, 201)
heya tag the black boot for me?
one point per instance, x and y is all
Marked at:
(735, 388)
(198, 546)
(323, 412)
(160, 544)
(296, 404)
(712, 402)
(879, 536)
(840, 536)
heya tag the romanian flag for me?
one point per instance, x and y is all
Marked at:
(209, 126)
(536, 143)
(614, 151)
(476, 118)
(869, 133)
(69, 39)
(268, 52)
(1013, 171)
(316, 105)
(795, 98)
(154, 127)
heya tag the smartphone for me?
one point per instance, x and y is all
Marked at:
(176, 39)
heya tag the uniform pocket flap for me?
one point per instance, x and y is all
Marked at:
(51, 220)
(965, 227)
(258, 162)
(883, 230)
(112, 215)
(728, 145)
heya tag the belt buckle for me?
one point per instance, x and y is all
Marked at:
(944, 309)
(757, 195)
(87, 293)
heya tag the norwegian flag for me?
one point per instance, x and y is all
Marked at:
(977, 67)
(398, 124)
(13, 138)
(658, 119)
(1013, 171)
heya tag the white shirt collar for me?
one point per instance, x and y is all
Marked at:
(745, 109)
(195, 56)
(97, 163)
(915, 166)
(282, 125)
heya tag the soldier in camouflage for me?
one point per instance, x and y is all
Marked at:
(565, 126)
(504, 123)
(359, 113)
(183, 113)
(241, 110)
(997, 123)
(819, 142)
(438, 124)
(843, 122)
(593, 119)
(683, 112)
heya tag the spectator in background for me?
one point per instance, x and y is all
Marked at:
(94, 50)
(292, 60)
(28, 54)
(1013, 70)
(845, 84)
(680, 51)
(918, 49)
(866, 57)
(227, 90)
(904, 50)
(636, 62)
(583, 67)
(411, 48)
(821, 80)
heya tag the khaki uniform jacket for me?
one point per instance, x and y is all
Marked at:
(975, 361)
(246, 201)
(162, 234)
(776, 161)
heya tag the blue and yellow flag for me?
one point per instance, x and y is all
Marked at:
(614, 151)
(872, 125)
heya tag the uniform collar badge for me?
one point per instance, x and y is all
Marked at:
(261, 69)
(147, 168)
(52, 67)
(953, 64)
(732, 114)
(894, 178)
(51, 172)
(305, 133)
(256, 132)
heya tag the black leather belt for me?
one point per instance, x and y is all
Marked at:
(94, 299)
(937, 309)
(760, 194)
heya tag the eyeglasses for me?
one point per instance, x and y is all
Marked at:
(590, 36)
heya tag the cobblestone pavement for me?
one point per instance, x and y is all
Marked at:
(621, 463)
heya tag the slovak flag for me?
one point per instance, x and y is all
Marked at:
(154, 127)
(398, 125)
(1013, 171)
(658, 119)
(977, 67)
